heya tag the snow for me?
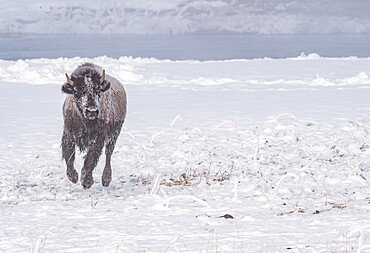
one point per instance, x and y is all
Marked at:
(247, 126)
(304, 71)
(185, 16)
(243, 155)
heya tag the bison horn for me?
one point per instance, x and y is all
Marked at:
(102, 78)
(69, 80)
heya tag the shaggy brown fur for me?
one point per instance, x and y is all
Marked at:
(94, 112)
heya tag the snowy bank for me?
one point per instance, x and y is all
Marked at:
(305, 71)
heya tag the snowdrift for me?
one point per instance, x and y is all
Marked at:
(304, 71)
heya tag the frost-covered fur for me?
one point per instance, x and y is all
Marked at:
(91, 129)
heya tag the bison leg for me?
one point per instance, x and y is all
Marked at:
(68, 153)
(91, 159)
(109, 147)
(107, 172)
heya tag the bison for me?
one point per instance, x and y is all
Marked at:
(93, 112)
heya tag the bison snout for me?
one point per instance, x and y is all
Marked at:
(91, 113)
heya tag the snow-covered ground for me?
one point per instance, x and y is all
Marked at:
(262, 155)
(238, 143)
(185, 16)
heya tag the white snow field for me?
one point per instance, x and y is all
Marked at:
(255, 155)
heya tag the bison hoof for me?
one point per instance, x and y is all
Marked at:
(106, 181)
(106, 177)
(72, 175)
(87, 181)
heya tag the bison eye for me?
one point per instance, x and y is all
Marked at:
(78, 94)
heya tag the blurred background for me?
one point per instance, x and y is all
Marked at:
(184, 29)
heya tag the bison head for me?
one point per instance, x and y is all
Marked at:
(86, 84)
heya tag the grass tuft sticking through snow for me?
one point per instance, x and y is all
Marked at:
(283, 168)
